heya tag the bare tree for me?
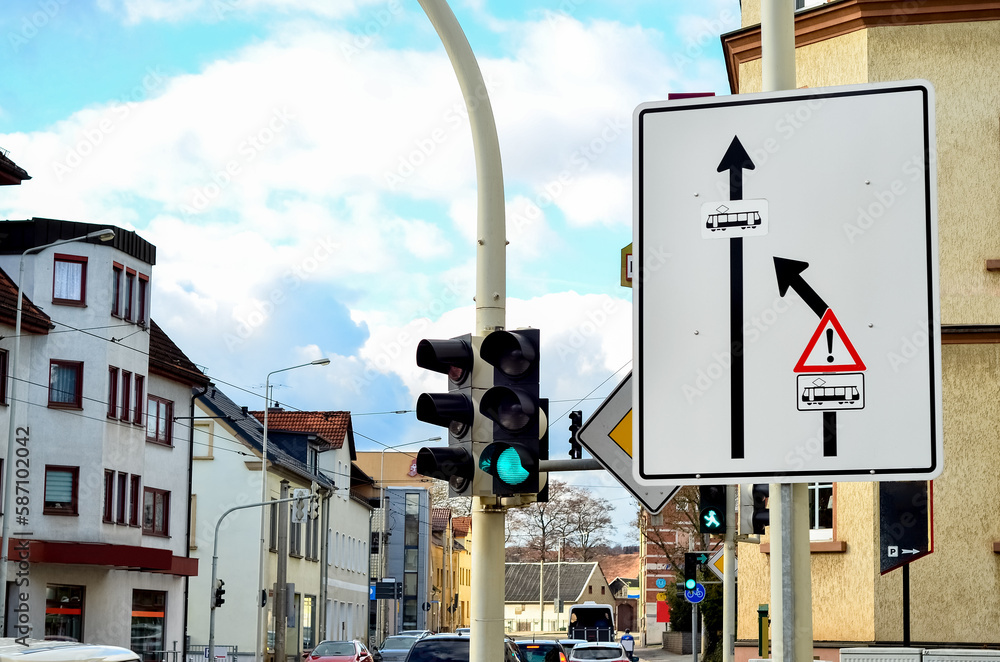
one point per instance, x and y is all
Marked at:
(459, 506)
(541, 526)
(588, 524)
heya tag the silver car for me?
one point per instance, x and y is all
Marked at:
(394, 648)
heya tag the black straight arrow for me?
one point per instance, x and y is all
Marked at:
(736, 160)
(789, 273)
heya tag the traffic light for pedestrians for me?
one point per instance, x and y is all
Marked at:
(712, 509)
(454, 410)
(300, 506)
(218, 595)
(514, 406)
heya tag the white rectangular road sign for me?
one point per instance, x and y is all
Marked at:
(799, 341)
(608, 436)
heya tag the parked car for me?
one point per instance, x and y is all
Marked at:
(599, 651)
(568, 644)
(417, 633)
(338, 651)
(63, 651)
(394, 648)
(542, 650)
(453, 648)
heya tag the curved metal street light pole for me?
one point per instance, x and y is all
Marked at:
(260, 645)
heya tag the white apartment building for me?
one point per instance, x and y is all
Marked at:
(103, 469)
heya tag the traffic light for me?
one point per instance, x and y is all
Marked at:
(300, 507)
(712, 509)
(454, 410)
(514, 407)
(218, 598)
(754, 515)
(314, 507)
(690, 571)
(575, 423)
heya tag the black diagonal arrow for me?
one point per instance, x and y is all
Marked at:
(789, 273)
(736, 160)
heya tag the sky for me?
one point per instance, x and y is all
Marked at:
(306, 172)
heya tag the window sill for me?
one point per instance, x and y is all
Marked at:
(159, 443)
(70, 302)
(815, 547)
(70, 407)
(155, 534)
(61, 513)
(203, 457)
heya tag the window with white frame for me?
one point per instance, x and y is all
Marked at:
(69, 279)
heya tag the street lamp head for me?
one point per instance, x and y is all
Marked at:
(107, 234)
(323, 361)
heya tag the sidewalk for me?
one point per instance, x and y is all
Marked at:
(658, 654)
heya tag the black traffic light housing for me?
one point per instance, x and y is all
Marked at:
(575, 423)
(760, 517)
(454, 410)
(690, 570)
(514, 406)
(712, 509)
(218, 596)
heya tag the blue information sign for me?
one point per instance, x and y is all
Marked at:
(695, 595)
(661, 583)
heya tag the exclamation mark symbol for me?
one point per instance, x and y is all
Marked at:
(829, 345)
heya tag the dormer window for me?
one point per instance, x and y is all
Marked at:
(69, 279)
(312, 460)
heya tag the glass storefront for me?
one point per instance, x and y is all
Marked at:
(148, 623)
(64, 612)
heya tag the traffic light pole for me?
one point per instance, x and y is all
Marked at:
(791, 589)
(215, 564)
(491, 300)
(729, 579)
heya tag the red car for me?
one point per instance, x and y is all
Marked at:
(339, 651)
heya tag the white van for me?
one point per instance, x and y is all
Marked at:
(37, 650)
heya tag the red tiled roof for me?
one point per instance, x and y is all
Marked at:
(461, 526)
(32, 317)
(332, 426)
(622, 565)
(439, 518)
(166, 359)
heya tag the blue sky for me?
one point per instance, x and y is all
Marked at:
(305, 169)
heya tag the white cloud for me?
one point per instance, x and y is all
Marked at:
(136, 11)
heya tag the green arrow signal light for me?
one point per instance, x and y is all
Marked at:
(690, 584)
(509, 468)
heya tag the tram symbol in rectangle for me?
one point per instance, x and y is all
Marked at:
(830, 392)
(733, 218)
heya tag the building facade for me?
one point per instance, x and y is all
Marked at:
(105, 472)
(951, 45)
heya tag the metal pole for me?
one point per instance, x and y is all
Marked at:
(380, 608)
(215, 560)
(541, 593)
(491, 300)
(694, 632)
(280, 596)
(106, 234)
(791, 590)
(261, 587)
(729, 579)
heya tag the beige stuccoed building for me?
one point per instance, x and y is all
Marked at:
(955, 591)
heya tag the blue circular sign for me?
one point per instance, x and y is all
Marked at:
(695, 595)
(661, 583)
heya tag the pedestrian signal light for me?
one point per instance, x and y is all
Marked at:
(712, 509)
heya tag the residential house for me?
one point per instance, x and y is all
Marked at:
(324, 442)
(622, 573)
(448, 610)
(105, 466)
(10, 173)
(569, 582)
(954, 592)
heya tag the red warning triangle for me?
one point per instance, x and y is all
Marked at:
(829, 349)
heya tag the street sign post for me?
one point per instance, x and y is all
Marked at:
(786, 318)
(905, 523)
(607, 434)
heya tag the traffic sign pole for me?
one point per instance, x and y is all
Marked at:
(729, 579)
(790, 559)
